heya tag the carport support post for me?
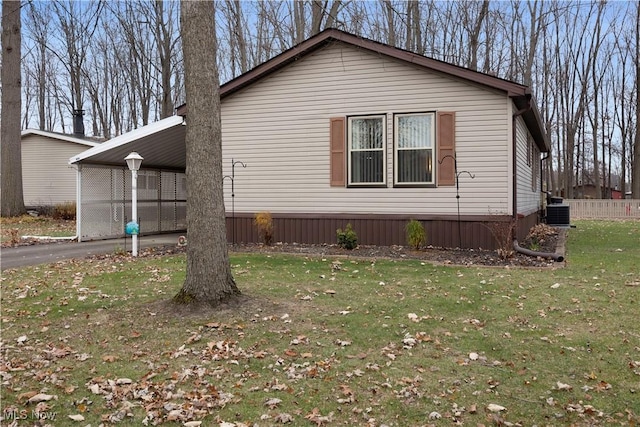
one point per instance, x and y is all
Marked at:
(134, 160)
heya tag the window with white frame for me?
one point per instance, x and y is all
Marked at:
(414, 148)
(366, 144)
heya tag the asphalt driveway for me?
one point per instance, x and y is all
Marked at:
(44, 253)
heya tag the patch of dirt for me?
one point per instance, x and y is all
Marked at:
(546, 240)
(444, 256)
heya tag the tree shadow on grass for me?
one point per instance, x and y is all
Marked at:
(243, 305)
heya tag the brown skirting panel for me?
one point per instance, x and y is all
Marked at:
(525, 223)
(383, 230)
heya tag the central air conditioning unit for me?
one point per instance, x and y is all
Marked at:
(558, 215)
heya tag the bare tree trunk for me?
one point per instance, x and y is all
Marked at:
(236, 42)
(332, 15)
(165, 51)
(620, 114)
(137, 36)
(596, 79)
(607, 136)
(40, 33)
(77, 28)
(575, 67)
(623, 151)
(474, 34)
(209, 278)
(594, 143)
(413, 28)
(243, 48)
(534, 32)
(298, 21)
(390, 13)
(10, 146)
(317, 11)
(42, 87)
(27, 96)
(635, 166)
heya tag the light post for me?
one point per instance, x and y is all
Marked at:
(134, 160)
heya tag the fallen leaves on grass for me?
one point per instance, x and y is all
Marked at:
(318, 419)
(284, 363)
(41, 397)
(162, 400)
(493, 407)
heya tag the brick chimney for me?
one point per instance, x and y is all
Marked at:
(78, 123)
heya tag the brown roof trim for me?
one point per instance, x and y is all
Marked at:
(533, 120)
(512, 89)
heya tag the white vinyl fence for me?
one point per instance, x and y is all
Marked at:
(605, 209)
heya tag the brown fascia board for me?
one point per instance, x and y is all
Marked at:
(512, 89)
(321, 39)
(533, 121)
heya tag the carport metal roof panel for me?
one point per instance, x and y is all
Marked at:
(162, 144)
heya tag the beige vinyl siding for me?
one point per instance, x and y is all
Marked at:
(279, 127)
(529, 200)
(47, 178)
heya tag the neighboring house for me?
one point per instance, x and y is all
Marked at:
(342, 129)
(588, 191)
(47, 177)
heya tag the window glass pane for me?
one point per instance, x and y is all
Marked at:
(366, 134)
(415, 166)
(366, 150)
(414, 148)
(367, 166)
(414, 131)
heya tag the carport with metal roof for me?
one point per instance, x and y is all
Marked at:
(104, 182)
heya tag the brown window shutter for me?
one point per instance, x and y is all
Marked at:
(337, 160)
(446, 147)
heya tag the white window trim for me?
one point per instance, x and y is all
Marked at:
(396, 149)
(383, 117)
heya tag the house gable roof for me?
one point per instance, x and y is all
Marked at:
(520, 94)
(59, 136)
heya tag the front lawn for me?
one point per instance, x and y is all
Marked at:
(12, 229)
(330, 341)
